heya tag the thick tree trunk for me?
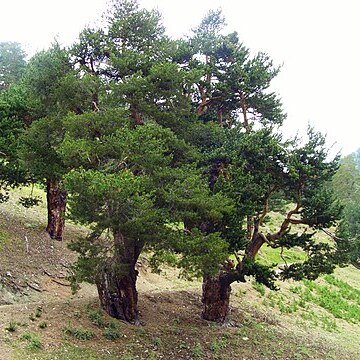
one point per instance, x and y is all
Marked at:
(116, 280)
(116, 287)
(215, 298)
(56, 204)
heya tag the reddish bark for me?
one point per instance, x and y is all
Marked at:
(136, 116)
(254, 246)
(56, 205)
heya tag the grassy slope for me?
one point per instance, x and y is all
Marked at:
(53, 324)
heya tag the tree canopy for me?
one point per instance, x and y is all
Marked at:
(172, 146)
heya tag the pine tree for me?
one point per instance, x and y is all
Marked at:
(54, 89)
(254, 168)
(12, 64)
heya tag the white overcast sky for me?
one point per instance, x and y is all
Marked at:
(317, 41)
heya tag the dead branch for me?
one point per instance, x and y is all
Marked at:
(266, 205)
(27, 244)
(237, 257)
(33, 287)
(95, 107)
(60, 283)
(244, 110)
(282, 256)
(47, 273)
(332, 235)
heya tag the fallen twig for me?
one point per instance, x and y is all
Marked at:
(33, 287)
(60, 283)
(27, 244)
(47, 273)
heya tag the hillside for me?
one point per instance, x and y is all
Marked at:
(41, 319)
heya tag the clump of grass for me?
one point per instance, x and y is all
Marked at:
(152, 355)
(33, 340)
(218, 344)
(36, 314)
(157, 342)
(296, 289)
(323, 321)
(260, 288)
(97, 318)
(43, 325)
(78, 333)
(38, 311)
(198, 351)
(140, 331)
(111, 332)
(12, 326)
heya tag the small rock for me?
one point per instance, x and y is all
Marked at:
(8, 273)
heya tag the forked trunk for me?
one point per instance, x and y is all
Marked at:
(215, 298)
(255, 244)
(116, 285)
(56, 204)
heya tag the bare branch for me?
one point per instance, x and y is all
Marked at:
(264, 238)
(95, 107)
(266, 204)
(244, 110)
(237, 257)
(60, 282)
(282, 256)
(332, 235)
(297, 221)
(286, 223)
(34, 287)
